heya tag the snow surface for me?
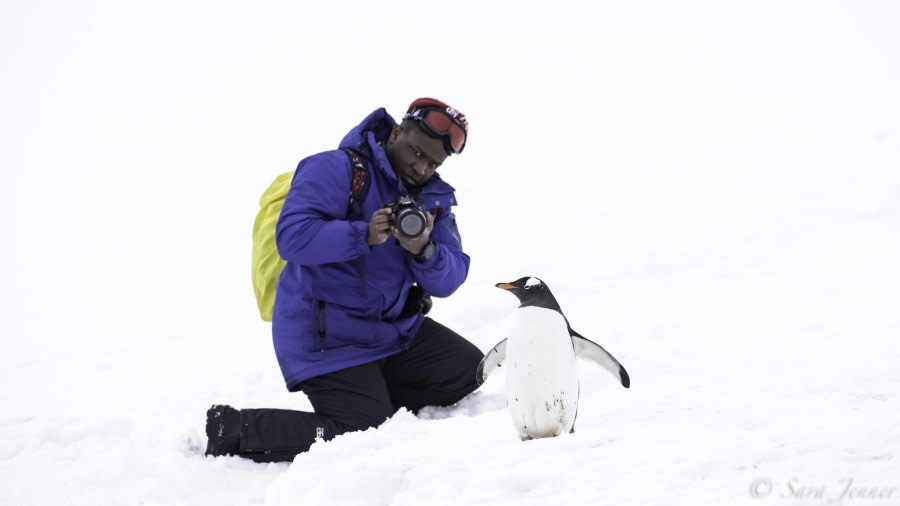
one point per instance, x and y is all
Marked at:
(711, 189)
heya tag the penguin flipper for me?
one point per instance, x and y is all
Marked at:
(587, 349)
(491, 361)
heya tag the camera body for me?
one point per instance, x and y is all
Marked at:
(409, 217)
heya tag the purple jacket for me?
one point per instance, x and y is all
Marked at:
(338, 299)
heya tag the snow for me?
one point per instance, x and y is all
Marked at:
(711, 190)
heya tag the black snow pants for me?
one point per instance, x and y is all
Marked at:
(437, 370)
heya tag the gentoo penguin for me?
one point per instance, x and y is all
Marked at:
(540, 351)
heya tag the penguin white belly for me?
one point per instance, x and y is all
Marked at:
(541, 378)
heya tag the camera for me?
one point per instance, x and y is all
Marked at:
(409, 217)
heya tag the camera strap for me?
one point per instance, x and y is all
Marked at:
(402, 190)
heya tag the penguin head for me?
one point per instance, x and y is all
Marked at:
(531, 291)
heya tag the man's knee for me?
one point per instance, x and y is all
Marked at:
(355, 397)
(367, 419)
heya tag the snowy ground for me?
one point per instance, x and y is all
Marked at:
(712, 193)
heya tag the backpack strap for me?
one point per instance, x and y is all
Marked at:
(360, 180)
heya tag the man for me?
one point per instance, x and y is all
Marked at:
(348, 326)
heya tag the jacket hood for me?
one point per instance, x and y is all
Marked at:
(379, 123)
(376, 128)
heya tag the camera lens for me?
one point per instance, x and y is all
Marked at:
(411, 223)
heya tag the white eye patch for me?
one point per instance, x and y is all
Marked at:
(532, 282)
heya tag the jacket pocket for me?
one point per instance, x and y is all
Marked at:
(335, 327)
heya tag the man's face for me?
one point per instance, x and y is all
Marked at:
(414, 155)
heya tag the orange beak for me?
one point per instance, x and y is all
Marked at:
(506, 286)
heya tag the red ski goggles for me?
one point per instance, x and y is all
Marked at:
(439, 124)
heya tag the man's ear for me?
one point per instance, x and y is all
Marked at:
(395, 134)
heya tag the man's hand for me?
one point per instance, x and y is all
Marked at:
(415, 246)
(380, 226)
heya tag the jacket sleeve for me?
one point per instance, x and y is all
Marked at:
(313, 228)
(446, 271)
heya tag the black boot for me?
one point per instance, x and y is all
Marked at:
(223, 428)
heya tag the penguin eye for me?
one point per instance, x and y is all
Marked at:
(532, 282)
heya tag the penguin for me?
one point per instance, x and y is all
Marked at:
(540, 354)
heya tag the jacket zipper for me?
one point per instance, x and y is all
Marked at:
(320, 323)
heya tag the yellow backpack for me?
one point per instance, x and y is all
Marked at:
(266, 263)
